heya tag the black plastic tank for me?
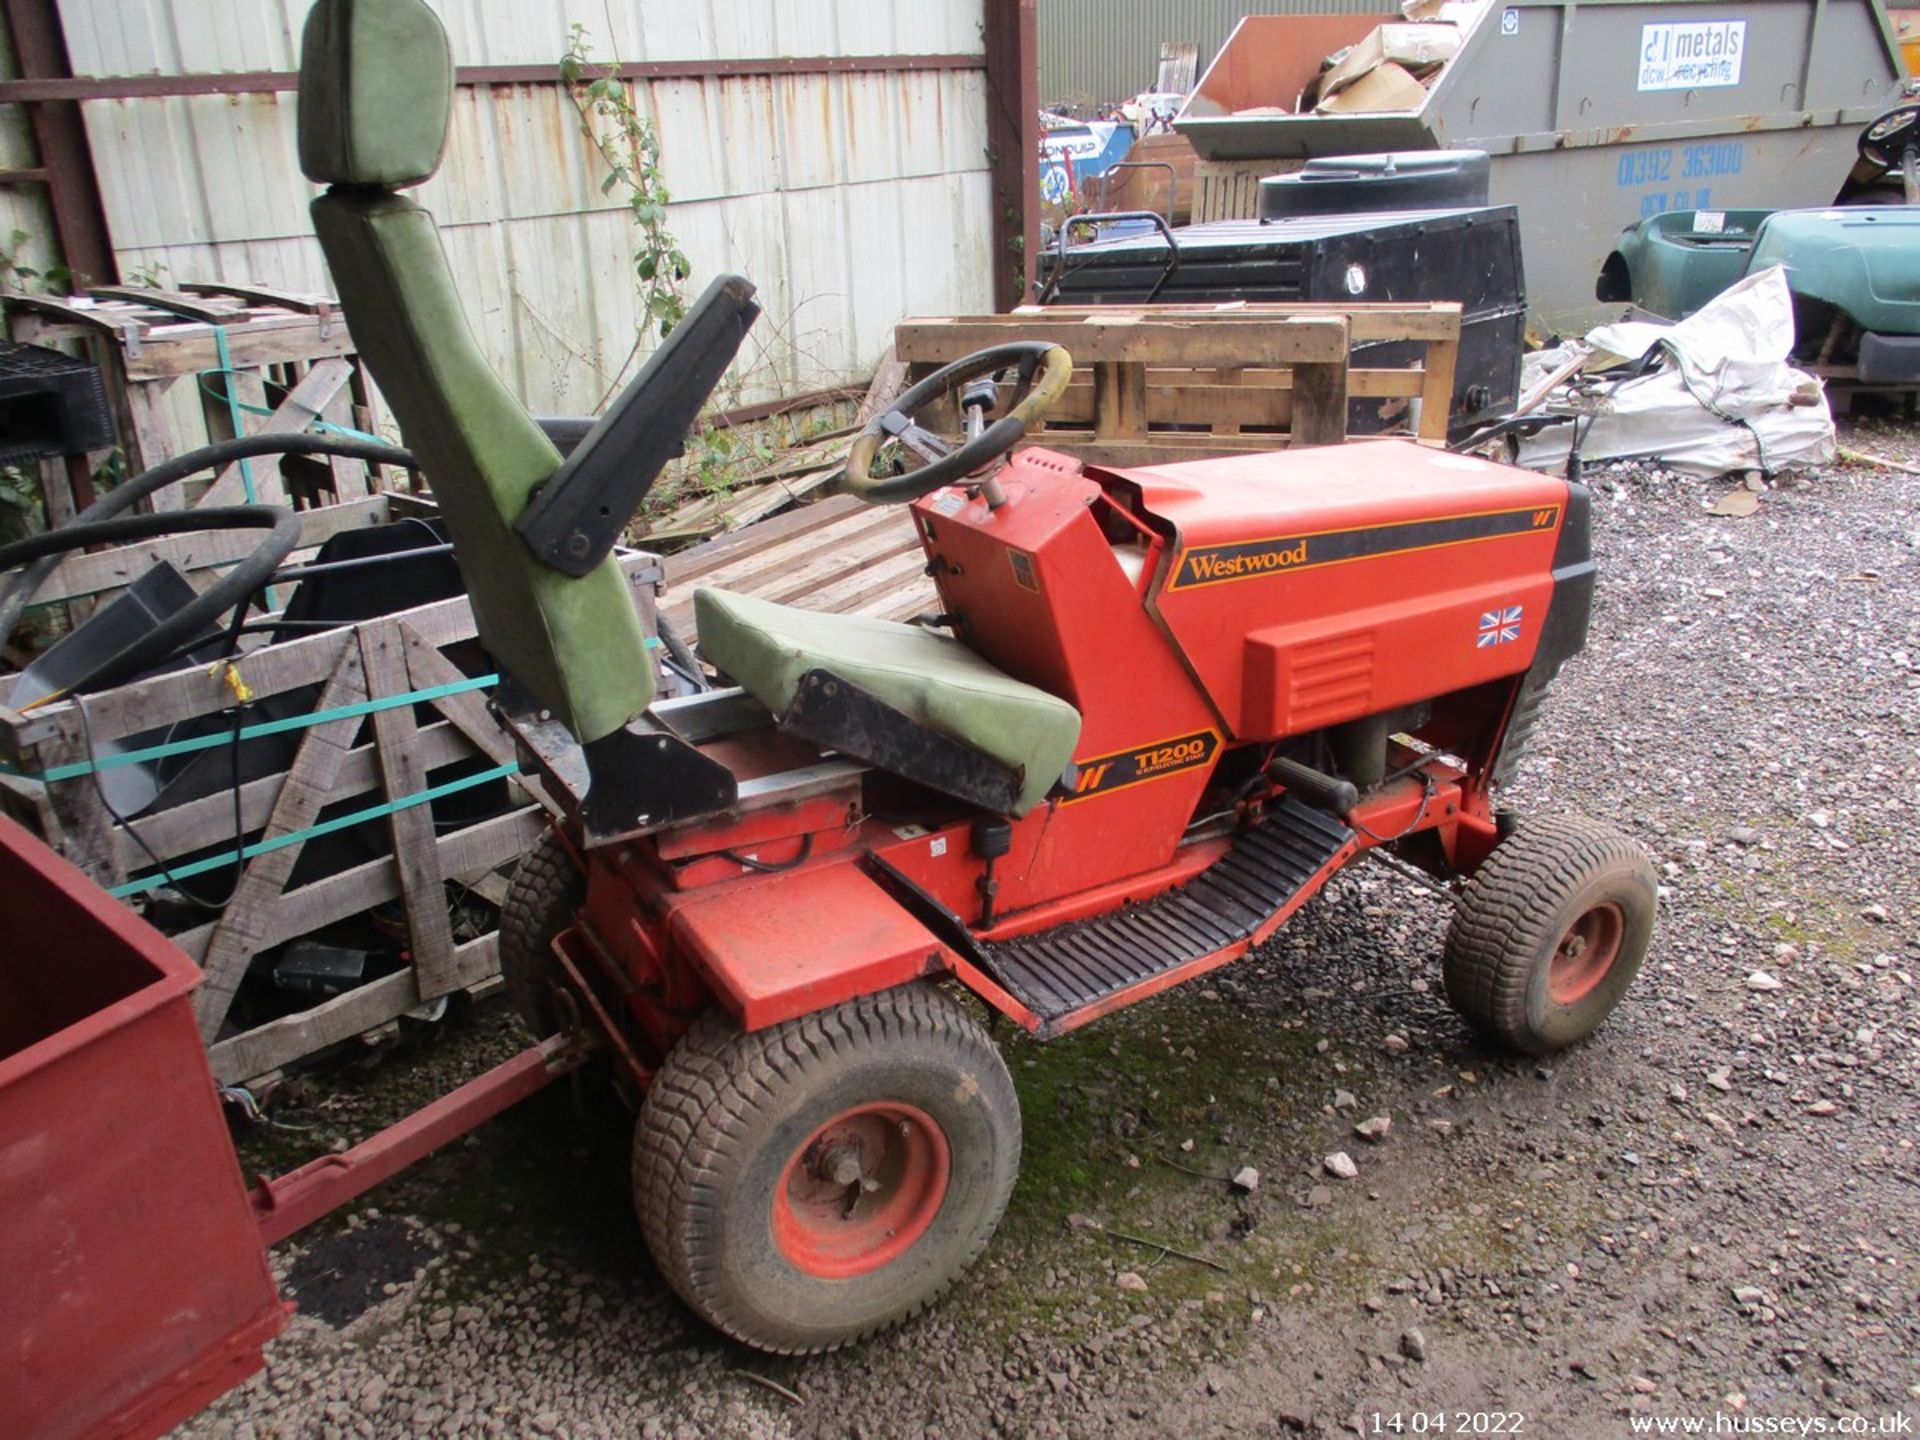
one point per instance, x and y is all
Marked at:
(1369, 184)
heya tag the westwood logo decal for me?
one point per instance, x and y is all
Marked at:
(1208, 567)
(1252, 559)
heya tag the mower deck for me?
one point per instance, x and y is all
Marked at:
(1077, 972)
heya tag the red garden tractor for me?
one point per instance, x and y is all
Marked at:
(1161, 708)
(1158, 710)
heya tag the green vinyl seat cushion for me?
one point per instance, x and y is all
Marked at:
(376, 93)
(577, 645)
(931, 678)
(376, 77)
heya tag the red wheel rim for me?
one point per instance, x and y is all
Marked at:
(1586, 953)
(863, 1188)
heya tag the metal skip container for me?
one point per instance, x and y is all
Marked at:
(1596, 114)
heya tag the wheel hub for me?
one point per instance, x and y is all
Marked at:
(1586, 954)
(861, 1191)
(840, 1166)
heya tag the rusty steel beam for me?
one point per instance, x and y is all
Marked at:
(40, 90)
(40, 46)
(1013, 146)
(300, 1197)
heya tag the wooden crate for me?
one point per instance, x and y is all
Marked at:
(839, 555)
(102, 572)
(1230, 189)
(1170, 382)
(362, 740)
(292, 347)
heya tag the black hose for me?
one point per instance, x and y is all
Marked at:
(232, 590)
(19, 594)
(1505, 425)
(358, 562)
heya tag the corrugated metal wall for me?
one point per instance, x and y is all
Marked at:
(850, 199)
(1095, 51)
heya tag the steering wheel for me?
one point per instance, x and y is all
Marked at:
(1043, 371)
(1885, 142)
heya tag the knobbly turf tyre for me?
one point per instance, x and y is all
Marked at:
(741, 1166)
(1550, 932)
(546, 891)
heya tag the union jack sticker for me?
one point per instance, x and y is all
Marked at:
(1501, 627)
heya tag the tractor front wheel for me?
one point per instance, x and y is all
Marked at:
(809, 1184)
(1550, 932)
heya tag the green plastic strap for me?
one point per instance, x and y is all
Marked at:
(280, 842)
(234, 407)
(253, 732)
(234, 402)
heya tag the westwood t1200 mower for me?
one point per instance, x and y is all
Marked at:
(1161, 708)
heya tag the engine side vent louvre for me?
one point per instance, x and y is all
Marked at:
(1330, 680)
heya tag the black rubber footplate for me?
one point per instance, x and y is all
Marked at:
(1056, 972)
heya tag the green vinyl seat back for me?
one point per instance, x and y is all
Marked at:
(932, 679)
(376, 90)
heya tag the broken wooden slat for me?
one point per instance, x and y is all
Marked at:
(296, 413)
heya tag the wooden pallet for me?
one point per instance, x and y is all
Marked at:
(1230, 189)
(146, 341)
(102, 572)
(1152, 369)
(379, 754)
(1433, 325)
(1171, 382)
(839, 555)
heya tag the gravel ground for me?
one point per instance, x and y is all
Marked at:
(1708, 1208)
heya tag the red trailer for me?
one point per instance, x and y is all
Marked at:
(136, 1286)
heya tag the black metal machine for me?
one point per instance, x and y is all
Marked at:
(1369, 252)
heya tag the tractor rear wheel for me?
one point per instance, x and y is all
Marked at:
(809, 1184)
(545, 893)
(1550, 932)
